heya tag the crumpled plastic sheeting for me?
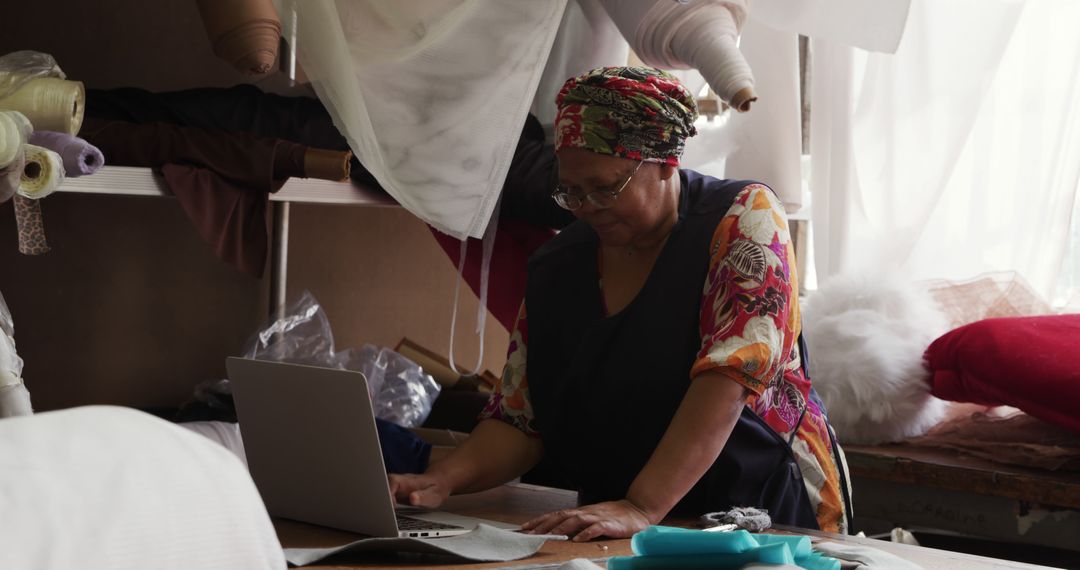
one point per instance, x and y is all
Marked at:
(21, 67)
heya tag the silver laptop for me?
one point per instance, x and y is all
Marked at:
(313, 450)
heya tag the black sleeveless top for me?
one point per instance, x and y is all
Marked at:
(604, 388)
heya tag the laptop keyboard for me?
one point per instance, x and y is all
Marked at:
(409, 523)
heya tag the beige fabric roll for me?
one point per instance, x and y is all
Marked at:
(244, 33)
(43, 173)
(51, 104)
(14, 129)
(11, 176)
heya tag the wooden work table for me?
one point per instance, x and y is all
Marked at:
(518, 503)
(941, 489)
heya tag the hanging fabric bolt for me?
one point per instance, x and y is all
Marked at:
(78, 156)
(31, 227)
(244, 33)
(701, 35)
(51, 104)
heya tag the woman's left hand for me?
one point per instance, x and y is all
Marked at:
(614, 519)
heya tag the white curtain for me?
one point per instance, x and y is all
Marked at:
(430, 95)
(957, 155)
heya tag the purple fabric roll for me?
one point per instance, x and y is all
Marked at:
(80, 157)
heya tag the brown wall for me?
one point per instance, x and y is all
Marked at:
(131, 307)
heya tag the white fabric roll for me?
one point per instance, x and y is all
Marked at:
(11, 176)
(700, 35)
(431, 96)
(42, 174)
(107, 487)
(14, 130)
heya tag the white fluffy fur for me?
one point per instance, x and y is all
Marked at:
(867, 336)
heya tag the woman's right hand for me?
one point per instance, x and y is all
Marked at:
(423, 490)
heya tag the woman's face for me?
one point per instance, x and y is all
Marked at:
(642, 207)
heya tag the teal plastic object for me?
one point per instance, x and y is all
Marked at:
(772, 554)
(669, 541)
(799, 545)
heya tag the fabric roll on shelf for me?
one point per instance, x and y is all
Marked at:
(11, 176)
(51, 104)
(79, 157)
(15, 129)
(221, 179)
(245, 33)
(42, 174)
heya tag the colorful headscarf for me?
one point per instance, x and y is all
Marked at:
(639, 113)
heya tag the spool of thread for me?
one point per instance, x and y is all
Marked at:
(14, 130)
(51, 104)
(11, 177)
(42, 174)
(245, 33)
(80, 157)
(31, 227)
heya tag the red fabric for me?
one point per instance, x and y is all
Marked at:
(1032, 363)
(515, 242)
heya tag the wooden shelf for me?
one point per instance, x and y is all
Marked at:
(131, 181)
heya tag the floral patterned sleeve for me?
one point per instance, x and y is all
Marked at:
(510, 400)
(749, 322)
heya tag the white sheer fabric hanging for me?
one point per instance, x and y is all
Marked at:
(430, 95)
(959, 154)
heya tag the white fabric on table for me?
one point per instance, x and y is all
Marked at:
(114, 488)
(227, 434)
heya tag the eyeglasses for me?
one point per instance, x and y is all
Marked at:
(599, 198)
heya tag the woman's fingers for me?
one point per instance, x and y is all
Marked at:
(427, 497)
(592, 531)
(417, 490)
(544, 524)
(573, 524)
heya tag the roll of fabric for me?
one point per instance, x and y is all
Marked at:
(14, 130)
(702, 36)
(42, 174)
(244, 33)
(80, 157)
(31, 227)
(11, 176)
(51, 104)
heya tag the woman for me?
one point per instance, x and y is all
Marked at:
(656, 361)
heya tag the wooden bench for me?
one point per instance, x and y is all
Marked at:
(940, 489)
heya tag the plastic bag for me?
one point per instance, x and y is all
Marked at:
(20, 67)
(10, 363)
(398, 386)
(400, 390)
(14, 397)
